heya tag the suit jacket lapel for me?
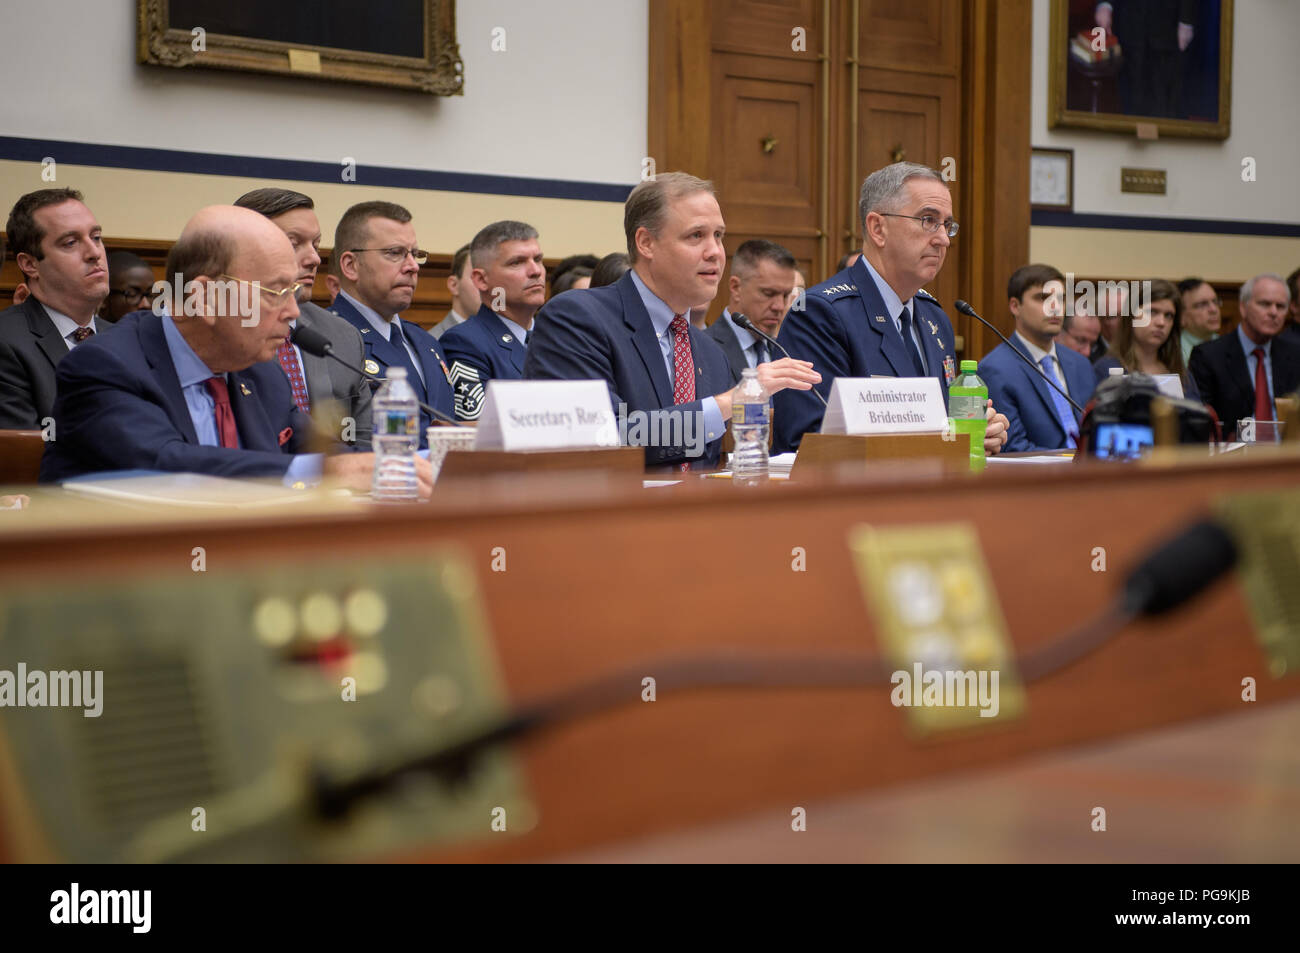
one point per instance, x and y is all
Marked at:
(1237, 371)
(154, 346)
(316, 370)
(637, 319)
(514, 348)
(255, 430)
(879, 320)
(47, 335)
(1040, 386)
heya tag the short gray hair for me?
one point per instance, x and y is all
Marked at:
(483, 249)
(882, 190)
(647, 206)
(1248, 289)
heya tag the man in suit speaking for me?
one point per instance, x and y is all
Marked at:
(636, 334)
(316, 381)
(190, 386)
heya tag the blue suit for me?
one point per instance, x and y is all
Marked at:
(481, 349)
(1026, 399)
(606, 334)
(846, 331)
(120, 407)
(435, 390)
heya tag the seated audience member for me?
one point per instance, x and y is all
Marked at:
(316, 381)
(508, 272)
(1292, 328)
(21, 291)
(635, 335)
(378, 266)
(578, 277)
(1240, 374)
(464, 296)
(566, 265)
(1038, 417)
(610, 268)
(848, 261)
(130, 285)
(1111, 304)
(199, 393)
(761, 286)
(1200, 314)
(59, 249)
(876, 318)
(1080, 332)
(1149, 342)
(331, 279)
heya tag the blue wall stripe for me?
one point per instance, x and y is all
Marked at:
(207, 163)
(1213, 226)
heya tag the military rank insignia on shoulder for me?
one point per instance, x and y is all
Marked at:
(831, 292)
(925, 294)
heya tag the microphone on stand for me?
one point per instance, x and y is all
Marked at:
(967, 310)
(752, 328)
(318, 345)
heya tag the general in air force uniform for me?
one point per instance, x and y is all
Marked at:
(848, 330)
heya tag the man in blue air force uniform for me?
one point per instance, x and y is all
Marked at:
(874, 317)
(378, 265)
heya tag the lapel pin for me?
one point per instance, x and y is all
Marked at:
(505, 339)
(243, 389)
(372, 367)
(880, 319)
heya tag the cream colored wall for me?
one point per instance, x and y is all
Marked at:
(130, 203)
(1115, 253)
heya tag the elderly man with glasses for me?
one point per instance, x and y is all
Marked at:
(378, 264)
(874, 318)
(191, 385)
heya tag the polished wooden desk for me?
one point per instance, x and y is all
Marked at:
(601, 578)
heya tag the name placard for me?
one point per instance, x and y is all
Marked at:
(1171, 385)
(546, 415)
(875, 405)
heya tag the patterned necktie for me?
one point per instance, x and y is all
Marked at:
(80, 334)
(910, 343)
(683, 365)
(1064, 413)
(227, 433)
(1263, 399)
(293, 370)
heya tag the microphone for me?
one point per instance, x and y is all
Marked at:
(318, 345)
(752, 328)
(967, 310)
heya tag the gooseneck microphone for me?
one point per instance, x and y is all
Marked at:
(318, 345)
(967, 310)
(752, 328)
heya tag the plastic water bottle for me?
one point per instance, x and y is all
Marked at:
(751, 418)
(396, 437)
(966, 399)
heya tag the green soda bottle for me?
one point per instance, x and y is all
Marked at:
(966, 397)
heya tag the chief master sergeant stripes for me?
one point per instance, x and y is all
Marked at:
(874, 317)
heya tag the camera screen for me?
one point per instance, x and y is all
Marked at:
(1122, 441)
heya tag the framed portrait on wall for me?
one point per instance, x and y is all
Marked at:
(406, 44)
(1116, 65)
(1051, 180)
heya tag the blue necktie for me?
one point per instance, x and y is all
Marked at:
(1064, 412)
(910, 343)
(398, 340)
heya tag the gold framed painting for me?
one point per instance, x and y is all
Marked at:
(406, 44)
(1151, 67)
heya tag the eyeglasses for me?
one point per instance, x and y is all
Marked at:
(129, 294)
(276, 297)
(930, 223)
(397, 254)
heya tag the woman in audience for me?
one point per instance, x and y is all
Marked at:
(1152, 346)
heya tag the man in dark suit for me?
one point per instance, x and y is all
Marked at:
(1240, 374)
(59, 249)
(317, 382)
(507, 271)
(636, 335)
(761, 287)
(378, 266)
(874, 318)
(189, 388)
(1038, 417)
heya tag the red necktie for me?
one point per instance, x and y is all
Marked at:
(1263, 399)
(226, 430)
(293, 371)
(683, 366)
(80, 334)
